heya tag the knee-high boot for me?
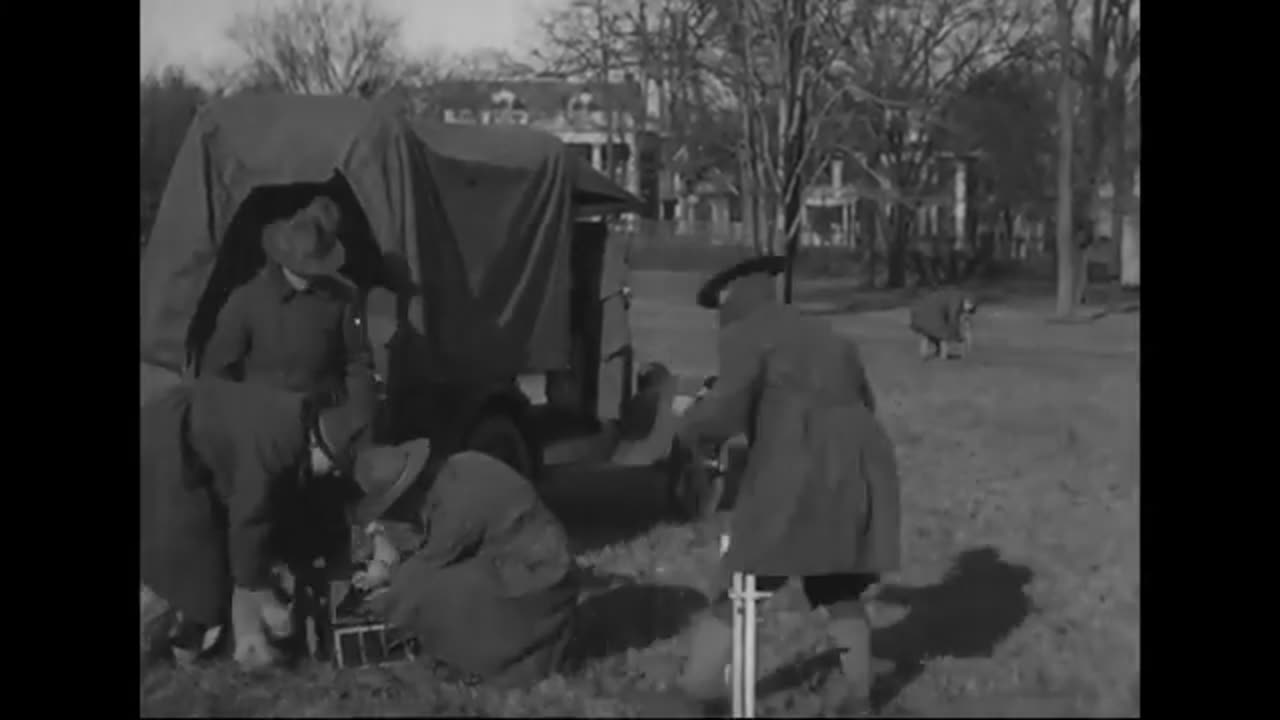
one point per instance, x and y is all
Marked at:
(851, 632)
(711, 648)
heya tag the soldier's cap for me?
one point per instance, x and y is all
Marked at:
(709, 294)
(384, 474)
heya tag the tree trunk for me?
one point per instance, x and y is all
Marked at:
(1006, 249)
(739, 45)
(1094, 112)
(897, 259)
(1119, 171)
(1066, 299)
(875, 241)
(793, 149)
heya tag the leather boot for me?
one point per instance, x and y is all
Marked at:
(852, 635)
(252, 650)
(702, 682)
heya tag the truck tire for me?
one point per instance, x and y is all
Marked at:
(497, 435)
(696, 484)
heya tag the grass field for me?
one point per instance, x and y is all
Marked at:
(1019, 594)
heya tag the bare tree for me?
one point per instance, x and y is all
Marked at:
(669, 47)
(783, 80)
(591, 39)
(1100, 67)
(1008, 117)
(903, 64)
(1067, 296)
(777, 62)
(871, 80)
(319, 47)
(1122, 92)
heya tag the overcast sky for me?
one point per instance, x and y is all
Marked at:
(192, 32)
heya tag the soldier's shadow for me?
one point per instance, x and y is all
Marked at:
(975, 606)
(618, 614)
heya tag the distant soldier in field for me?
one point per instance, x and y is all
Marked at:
(819, 497)
(944, 321)
(222, 465)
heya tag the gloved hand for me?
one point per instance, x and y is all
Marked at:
(385, 557)
(277, 617)
(375, 575)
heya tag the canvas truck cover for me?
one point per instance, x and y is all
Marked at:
(474, 221)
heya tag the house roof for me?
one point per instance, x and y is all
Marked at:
(538, 96)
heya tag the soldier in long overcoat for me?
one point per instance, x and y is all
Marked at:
(220, 463)
(943, 320)
(478, 569)
(819, 497)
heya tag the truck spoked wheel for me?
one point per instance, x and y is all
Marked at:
(696, 483)
(498, 436)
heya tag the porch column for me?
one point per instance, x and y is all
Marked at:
(633, 164)
(961, 175)
(597, 157)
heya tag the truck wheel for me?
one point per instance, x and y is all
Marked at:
(498, 436)
(696, 485)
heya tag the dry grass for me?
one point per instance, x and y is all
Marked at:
(1019, 595)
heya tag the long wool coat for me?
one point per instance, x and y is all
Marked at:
(937, 315)
(489, 587)
(219, 460)
(820, 491)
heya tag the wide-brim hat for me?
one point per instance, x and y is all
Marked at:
(709, 294)
(307, 243)
(384, 474)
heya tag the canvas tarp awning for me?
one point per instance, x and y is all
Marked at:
(476, 221)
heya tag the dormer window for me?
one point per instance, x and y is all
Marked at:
(508, 108)
(504, 100)
(580, 104)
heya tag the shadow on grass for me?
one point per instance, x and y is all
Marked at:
(977, 604)
(1101, 300)
(619, 615)
(852, 301)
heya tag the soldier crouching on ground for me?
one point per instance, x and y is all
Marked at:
(943, 320)
(221, 464)
(468, 561)
(819, 497)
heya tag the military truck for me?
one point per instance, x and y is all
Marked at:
(481, 254)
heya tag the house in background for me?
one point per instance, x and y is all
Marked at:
(1123, 257)
(615, 126)
(838, 212)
